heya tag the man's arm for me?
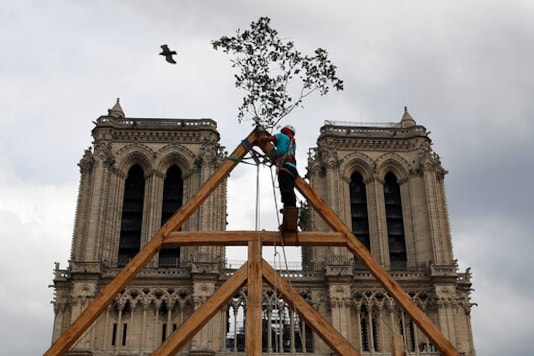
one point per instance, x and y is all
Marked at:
(267, 138)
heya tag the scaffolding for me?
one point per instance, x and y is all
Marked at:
(253, 273)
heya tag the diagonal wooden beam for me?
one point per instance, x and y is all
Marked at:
(125, 276)
(312, 317)
(188, 329)
(381, 275)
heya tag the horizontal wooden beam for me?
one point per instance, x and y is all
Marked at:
(242, 238)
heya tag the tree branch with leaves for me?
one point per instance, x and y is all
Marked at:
(274, 74)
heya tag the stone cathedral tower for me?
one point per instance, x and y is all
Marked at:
(387, 184)
(384, 181)
(136, 175)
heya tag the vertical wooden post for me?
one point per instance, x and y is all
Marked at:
(254, 300)
(397, 345)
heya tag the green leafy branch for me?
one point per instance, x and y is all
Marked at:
(269, 69)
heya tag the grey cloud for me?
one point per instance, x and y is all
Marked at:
(464, 73)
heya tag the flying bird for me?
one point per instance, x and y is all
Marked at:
(168, 54)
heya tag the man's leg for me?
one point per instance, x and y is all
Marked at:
(286, 181)
(287, 188)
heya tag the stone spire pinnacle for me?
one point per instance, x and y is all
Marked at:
(116, 110)
(407, 120)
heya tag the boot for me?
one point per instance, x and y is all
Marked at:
(290, 219)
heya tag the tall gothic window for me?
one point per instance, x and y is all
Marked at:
(172, 200)
(132, 215)
(358, 209)
(407, 330)
(283, 330)
(368, 329)
(395, 225)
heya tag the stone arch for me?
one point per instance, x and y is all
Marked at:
(160, 296)
(357, 161)
(424, 298)
(394, 163)
(360, 297)
(134, 154)
(182, 296)
(174, 154)
(133, 296)
(381, 298)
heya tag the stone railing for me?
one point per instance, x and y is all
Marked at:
(149, 272)
(361, 124)
(372, 129)
(156, 123)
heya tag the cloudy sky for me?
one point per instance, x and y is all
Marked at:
(464, 69)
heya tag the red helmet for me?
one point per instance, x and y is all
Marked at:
(288, 127)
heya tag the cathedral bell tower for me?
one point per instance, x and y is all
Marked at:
(135, 175)
(386, 183)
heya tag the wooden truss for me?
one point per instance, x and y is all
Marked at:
(255, 271)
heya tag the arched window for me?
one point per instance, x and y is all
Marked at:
(358, 209)
(395, 225)
(132, 215)
(407, 330)
(173, 187)
(368, 329)
(283, 330)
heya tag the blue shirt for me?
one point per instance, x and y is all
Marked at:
(283, 144)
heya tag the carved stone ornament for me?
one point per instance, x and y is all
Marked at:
(87, 162)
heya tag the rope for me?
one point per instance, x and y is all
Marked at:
(265, 161)
(285, 257)
(257, 217)
(256, 156)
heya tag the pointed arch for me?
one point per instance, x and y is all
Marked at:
(357, 170)
(394, 222)
(173, 190)
(175, 163)
(134, 154)
(175, 155)
(392, 162)
(358, 209)
(132, 215)
(358, 162)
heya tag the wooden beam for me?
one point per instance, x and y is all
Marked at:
(196, 321)
(242, 238)
(397, 345)
(104, 298)
(381, 275)
(327, 332)
(254, 299)
(101, 301)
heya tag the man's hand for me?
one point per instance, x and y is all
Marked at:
(266, 138)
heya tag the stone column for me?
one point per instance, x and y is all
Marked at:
(377, 218)
(339, 295)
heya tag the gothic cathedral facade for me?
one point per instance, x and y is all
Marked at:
(384, 181)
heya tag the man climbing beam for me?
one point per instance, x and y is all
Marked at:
(283, 156)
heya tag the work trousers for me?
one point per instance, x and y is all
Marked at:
(286, 182)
